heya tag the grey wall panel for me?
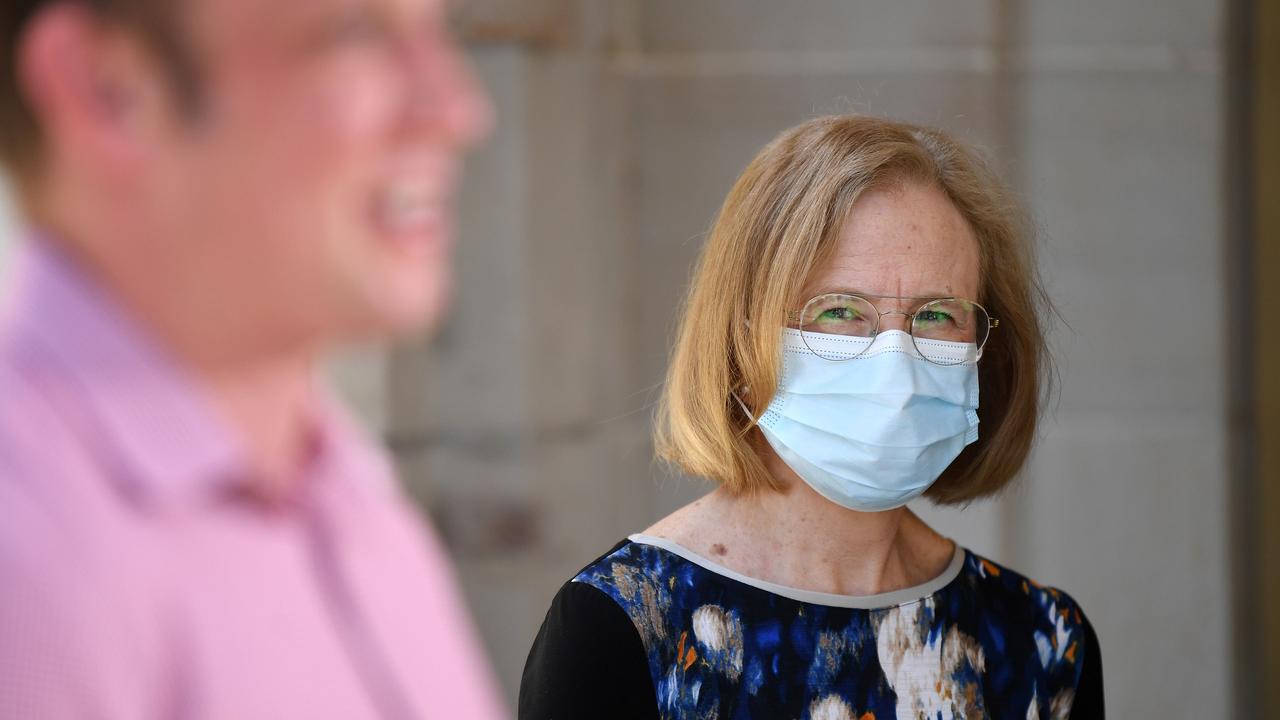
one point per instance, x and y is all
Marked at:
(1115, 137)
(1126, 506)
(837, 25)
(1183, 24)
(9, 228)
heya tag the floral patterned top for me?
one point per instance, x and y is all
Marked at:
(653, 630)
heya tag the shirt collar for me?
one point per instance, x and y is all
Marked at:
(341, 450)
(155, 422)
(156, 427)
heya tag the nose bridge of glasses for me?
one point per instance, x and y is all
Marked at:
(894, 320)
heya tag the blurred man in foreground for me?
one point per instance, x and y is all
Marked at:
(219, 191)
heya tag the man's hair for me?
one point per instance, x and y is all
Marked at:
(156, 24)
(782, 220)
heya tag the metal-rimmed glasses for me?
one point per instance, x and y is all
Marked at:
(945, 331)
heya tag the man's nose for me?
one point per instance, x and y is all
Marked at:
(446, 97)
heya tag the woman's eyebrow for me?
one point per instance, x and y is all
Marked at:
(930, 295)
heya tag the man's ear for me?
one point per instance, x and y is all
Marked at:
(91, 86)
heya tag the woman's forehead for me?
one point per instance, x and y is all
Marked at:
(903, 241)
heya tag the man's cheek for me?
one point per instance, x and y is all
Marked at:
(354, 111)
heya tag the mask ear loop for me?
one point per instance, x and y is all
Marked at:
(745, 410)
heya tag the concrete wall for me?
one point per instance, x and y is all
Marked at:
(8, 227)
(1122, 151)
(523, 425)
(628, 129)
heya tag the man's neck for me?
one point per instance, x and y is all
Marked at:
(261, 384)
(270, 406)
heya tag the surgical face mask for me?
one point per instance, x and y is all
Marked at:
(874, 431)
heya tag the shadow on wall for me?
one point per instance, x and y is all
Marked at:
(8, 227)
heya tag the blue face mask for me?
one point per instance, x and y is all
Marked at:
(874, 431)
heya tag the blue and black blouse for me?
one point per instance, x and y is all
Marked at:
(653, 630)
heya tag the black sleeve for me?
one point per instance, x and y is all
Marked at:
(587, 662)
(1088, 704)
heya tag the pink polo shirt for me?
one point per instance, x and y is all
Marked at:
(139, 580)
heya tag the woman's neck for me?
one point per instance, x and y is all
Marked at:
(800, 539)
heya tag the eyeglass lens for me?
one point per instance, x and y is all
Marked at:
(950, 320)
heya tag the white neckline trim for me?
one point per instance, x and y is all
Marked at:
(862, 602)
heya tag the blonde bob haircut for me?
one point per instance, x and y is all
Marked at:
(780, 221)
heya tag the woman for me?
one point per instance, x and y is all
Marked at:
(863, 280)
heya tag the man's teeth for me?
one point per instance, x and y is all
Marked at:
(408, 206)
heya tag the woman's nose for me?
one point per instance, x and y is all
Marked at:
(895, 320)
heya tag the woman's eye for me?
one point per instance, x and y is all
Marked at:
(839, 314)
(934, 317)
